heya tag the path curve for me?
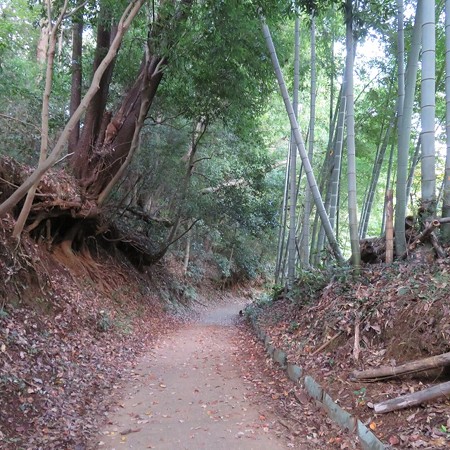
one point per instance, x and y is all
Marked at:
(188, 394)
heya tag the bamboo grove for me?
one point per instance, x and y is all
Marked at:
(411, 136)
(170, 112)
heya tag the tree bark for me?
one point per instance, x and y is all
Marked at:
(351, 151)
(446, 191)
(421, 365)
(337, 160)
(283, 217)
(96, 115)
(428, 108)
(146, 93)
(389, 227)
(293, 163)
(125, 22)
(53, 32)
(187, 252)
(405, 134)
(305, 236)
(42, 46)
(76, 68)
(406, 401)
(301, 146)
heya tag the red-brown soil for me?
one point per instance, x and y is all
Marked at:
(67, 337)
(403, 314)
(209, 385)
(73, 332)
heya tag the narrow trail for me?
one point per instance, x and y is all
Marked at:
(188, 393)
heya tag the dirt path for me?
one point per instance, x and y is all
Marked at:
(188, 393)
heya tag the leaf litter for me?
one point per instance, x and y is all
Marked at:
(401, 313)
(67, 342)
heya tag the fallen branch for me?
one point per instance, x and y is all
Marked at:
(405, 401)
(420, 365)
(437, 247)
(422, 237)
(356, 346)
(326, 343)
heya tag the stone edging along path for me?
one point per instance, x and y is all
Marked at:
(341, 417)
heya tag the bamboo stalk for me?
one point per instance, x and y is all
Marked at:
(406, 401)
(420, 365)
(389, 227)
(301, 146)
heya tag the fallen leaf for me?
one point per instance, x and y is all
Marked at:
(394, 440)
(130, 430)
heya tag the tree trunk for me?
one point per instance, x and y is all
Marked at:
(404, 133)
(130, 12)
(335, 176)
(306, 226)
(406, 401)
(351, 153)
(96, 118)
(104, 148)
(42, 46)
(293, 163)
(76, 68)
(301, 145)
(386, 372)
(375, 177)
(187, 252)
(53, 33)
(387, 188)
(283, 217)
(445, 231)
(389, 227)
(414, 161)
(318, 237)
(146, 93)
(428, 89)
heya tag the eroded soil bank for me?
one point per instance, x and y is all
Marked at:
(387, 316)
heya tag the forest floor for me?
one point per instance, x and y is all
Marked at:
(77, 337)
(385, 317)
(209, 385)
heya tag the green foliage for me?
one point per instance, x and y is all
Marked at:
(218, 67)
(104, 321)
(224, 265)
(263, 300)
(360, 396)
(190, 293)
(20, 82)
(309, 285)
(211, 73)
(195, 272)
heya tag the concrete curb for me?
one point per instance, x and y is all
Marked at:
(295, 373)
